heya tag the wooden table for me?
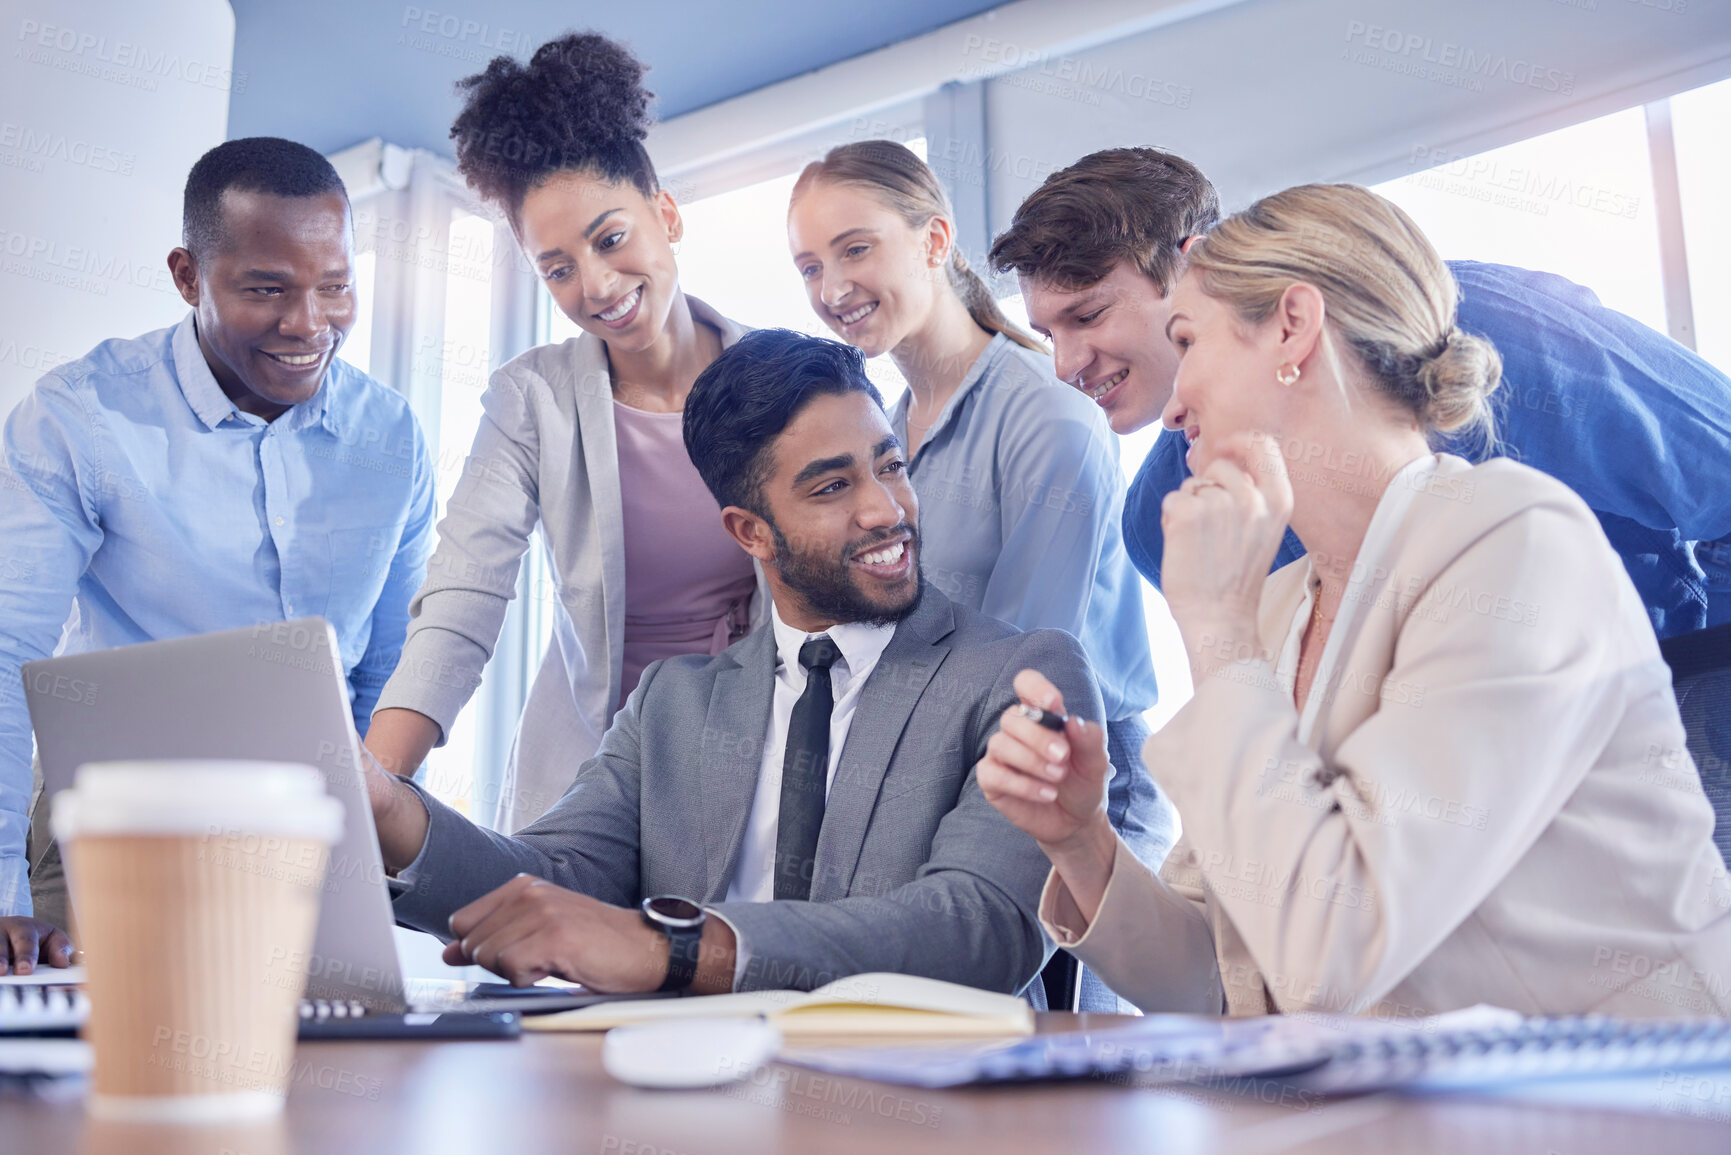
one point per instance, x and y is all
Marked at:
(548, 1093)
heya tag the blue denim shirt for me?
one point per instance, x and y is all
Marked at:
(1631, 420)
(1020, 492)
(1020, 505)
(135, 498)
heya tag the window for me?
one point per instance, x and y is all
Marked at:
(461, 361)
(1699, 120)
(1577, 202)
(1580, 202)
(429, 282)
(357, 349)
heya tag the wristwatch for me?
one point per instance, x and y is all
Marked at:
(681, 920)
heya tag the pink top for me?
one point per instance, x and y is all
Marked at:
(688, 585)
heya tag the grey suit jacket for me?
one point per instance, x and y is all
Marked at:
(915, 871)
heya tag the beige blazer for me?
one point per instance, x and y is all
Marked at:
(1499, 807)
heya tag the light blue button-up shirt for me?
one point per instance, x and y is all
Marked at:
(1021, 496)
(137, 499)
(1020, 500)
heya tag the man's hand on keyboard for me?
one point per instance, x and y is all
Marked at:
(26, 941)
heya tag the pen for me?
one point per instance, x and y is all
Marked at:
(1046, 718)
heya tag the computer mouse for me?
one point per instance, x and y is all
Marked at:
(688, 1052)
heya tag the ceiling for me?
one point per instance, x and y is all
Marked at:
(330, 73)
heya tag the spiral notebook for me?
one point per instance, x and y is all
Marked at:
(1588, 1046)
(1479, 1047)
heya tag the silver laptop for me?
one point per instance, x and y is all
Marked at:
(274, 692)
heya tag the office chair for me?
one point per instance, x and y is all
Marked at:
(1701, 677)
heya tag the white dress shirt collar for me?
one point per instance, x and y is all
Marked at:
(860, 644)
(212, 406)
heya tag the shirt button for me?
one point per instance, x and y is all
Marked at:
(279, 521)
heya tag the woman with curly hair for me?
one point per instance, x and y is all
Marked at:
(581, 439)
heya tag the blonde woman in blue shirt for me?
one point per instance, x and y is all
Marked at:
(1017, 474)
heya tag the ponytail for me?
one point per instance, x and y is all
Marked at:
(981, 305)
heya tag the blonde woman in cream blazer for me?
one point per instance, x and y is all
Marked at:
(1434, 763)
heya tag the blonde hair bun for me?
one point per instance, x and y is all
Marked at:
(1458, 381)
(1389, 295)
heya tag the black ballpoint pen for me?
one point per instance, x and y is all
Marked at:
(1046, 718)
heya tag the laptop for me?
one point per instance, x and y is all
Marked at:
(274, 692)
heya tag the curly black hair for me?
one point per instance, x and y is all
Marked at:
(578, 105)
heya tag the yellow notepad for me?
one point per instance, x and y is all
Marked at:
(868, 1004)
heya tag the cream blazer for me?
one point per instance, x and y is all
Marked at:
(544, 458)
(1499, 807)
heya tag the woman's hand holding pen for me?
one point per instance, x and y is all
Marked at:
(1051, 783)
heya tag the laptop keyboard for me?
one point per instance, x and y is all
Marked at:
(37, 1007)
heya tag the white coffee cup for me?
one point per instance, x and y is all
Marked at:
(196, 886)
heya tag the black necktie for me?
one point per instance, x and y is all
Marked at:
(805, 773)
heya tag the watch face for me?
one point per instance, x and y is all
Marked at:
(677, 911)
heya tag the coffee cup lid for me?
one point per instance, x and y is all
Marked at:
(198, 796)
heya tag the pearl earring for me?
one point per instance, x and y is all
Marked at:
(1287, 374)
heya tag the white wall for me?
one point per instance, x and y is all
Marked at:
(104, 106)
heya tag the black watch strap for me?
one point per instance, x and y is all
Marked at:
(682, 944)
(681, 920)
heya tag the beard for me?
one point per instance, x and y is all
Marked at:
(828, 588)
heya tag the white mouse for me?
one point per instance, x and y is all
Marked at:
(688, 1052)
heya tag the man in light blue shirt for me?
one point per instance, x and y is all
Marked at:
(221, 473)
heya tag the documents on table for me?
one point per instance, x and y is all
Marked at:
(1478, 1048)
(1153, 1049)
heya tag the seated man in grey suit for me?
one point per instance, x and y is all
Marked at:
(802, 806)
